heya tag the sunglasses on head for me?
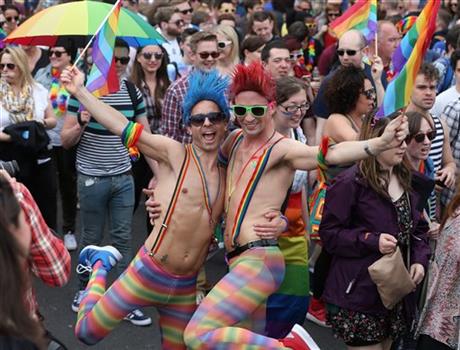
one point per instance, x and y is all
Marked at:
(10, 19)
(223, 44)
(148, 55)
(123, 60)
(9, 66)
(420, 137)
(56, 53)
(213, 117)
(370, 93)
(204, 55)
(342, 52)
(185, 12)
(256, 111)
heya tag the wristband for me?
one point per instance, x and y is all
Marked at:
(81, 122)
(368, 150)
(286, 221)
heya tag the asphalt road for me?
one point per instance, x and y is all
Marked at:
(60, 319)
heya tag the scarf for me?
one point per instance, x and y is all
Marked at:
(19, 106)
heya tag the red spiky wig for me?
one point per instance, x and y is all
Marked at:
(253, 78)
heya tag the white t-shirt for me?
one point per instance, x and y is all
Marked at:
(443, 99)
(40, 96)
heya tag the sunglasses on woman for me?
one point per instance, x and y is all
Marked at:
(204, 55)
(370, 93)
(10, 19)
(223, 44)
(213, 117)
(56, 53)
(241, 111)
(420, 137)
(9, 66)
(148, 55)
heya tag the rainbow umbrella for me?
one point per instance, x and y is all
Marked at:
(79, 21)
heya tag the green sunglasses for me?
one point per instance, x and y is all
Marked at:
(256, 111)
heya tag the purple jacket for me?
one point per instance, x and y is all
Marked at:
(354, 216)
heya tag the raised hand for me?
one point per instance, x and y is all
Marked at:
(72, 79)
(395, 132)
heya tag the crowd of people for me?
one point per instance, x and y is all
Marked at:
(257, 132)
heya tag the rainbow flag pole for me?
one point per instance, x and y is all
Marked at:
(115, 6)
(408, 58)
(361, 16)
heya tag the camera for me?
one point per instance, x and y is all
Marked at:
(11, 167)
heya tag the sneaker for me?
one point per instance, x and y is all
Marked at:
(77, 300)
(317, 312)
(299, 339)
(137, 318)
(70, 241)
(89, 255)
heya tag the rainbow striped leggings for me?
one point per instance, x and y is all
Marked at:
(143, 283)
(236, 298)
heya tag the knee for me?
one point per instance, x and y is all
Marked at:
(191, 339)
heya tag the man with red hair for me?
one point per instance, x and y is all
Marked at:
(260, 169)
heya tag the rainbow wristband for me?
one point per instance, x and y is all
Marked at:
(130, 136)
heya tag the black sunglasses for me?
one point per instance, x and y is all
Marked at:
(420, 137)
(179, 23)
(370, 93)
(58, 54)
(184, 12)
(333, 14)
(204, 55)
(10, 19)
(148, 55)
(123, 60)
(9, 66)
(341, 52)
(213, 117)
(229, 10)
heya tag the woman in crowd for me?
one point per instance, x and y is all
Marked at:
(369, 209)
(12, 17)
(421, 134)
(350, 97)
(288, 305)
(26, 110)
(149, 74)
(229, 49)
(439, 327)
(325, 35)
(18, 330)
(251, 48)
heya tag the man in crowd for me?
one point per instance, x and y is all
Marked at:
(276, 59)
(451, 93)
(262, 24)
(387, 42)
(104, 178)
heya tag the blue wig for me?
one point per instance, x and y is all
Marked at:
(209, 86)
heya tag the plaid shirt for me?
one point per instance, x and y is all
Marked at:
(152, 116)
(49, 260)
(171, 123)
(451, 115)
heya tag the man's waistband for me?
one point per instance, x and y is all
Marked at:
(260, 243)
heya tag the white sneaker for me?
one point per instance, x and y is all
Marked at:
(70, 241)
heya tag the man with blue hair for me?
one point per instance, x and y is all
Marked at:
(191, 193)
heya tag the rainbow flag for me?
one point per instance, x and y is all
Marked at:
(361, 16)
(103, 78)
(408, 58)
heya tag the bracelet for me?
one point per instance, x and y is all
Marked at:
(368, 150)
(282, 217)
(129, 137)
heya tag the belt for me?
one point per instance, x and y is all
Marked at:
(260, 243)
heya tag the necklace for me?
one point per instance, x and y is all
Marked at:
(232, 187)
(58, 94)
(204, 183)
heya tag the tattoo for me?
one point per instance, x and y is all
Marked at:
(164, 258)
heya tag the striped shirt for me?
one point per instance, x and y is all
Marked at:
(99, 152)
(436, 156)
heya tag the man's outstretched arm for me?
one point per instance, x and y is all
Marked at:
(304, 157)
(153, 146)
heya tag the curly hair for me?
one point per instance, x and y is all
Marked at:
(343, 89)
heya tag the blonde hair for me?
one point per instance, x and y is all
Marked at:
(19, 57)
(230, 33)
